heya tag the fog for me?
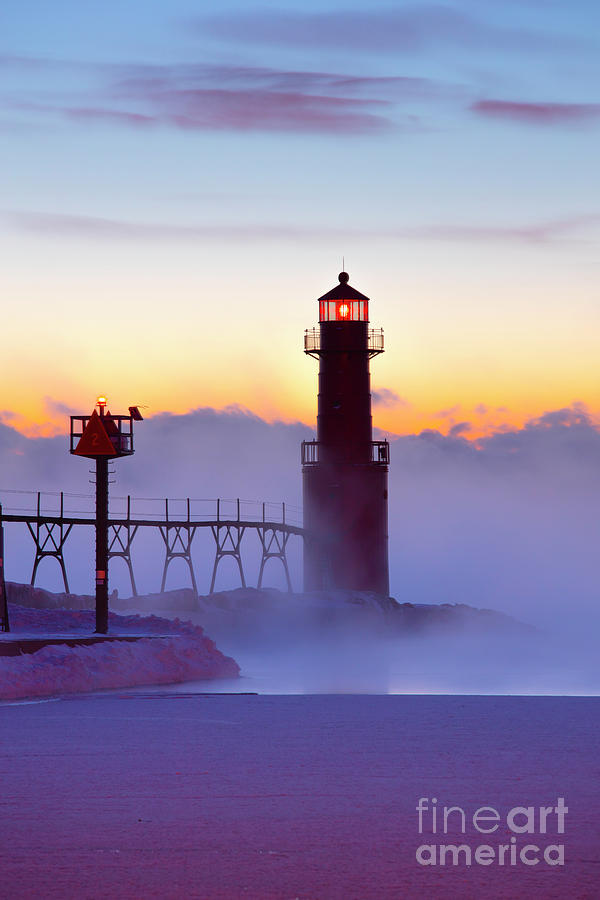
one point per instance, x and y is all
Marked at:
(510, 523)
(342, 642)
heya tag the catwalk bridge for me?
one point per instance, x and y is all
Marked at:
(50, 518)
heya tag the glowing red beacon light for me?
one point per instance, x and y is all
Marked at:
(343, 303)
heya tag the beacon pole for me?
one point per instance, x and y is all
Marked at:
(101, 545)
(4, 623)
(103, 437)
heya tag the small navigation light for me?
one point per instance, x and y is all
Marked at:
(101, 401)
(344, 311)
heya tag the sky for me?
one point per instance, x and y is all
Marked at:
(181, 181)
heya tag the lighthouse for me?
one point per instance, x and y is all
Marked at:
(344, 472)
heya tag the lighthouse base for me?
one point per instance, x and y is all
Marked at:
(345, 520)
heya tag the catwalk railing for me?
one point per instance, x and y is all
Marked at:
(50, 518)
(311, 453)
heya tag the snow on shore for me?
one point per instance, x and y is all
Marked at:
(182, 653)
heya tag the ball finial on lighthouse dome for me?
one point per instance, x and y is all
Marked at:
(343, 278)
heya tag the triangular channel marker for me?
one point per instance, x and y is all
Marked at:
(94, 441)
(109, 424)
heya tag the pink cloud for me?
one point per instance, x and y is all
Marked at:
(147, 80)
(85, 226)
(410, 29)
(447, 413)
(236, 110)
(119, 117)
(266, 110)
(538, 113)
(459, 429)
(240, 98)
(530, 233)
(387, 398)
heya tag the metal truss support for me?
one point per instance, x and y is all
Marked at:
(178, 544)
(228, 538)
(49, 537)
(120, 539)
(50, 532)
(274, 545)
(4, 623)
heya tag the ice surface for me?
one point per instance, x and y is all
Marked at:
(138, 795)
(184, 654)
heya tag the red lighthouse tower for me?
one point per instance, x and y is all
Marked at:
(344, 472)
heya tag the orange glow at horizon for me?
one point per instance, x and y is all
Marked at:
(183, 329)
(470, 422)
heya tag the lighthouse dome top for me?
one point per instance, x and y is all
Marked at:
(343, 303)
(343, 291)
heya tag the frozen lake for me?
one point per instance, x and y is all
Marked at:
(172, 794)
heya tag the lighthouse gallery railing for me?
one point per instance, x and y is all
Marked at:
(380, 453)
(312, 340)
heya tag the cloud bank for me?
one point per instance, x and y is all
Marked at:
(509, 521)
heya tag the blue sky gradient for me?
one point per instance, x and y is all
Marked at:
(173, 169)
